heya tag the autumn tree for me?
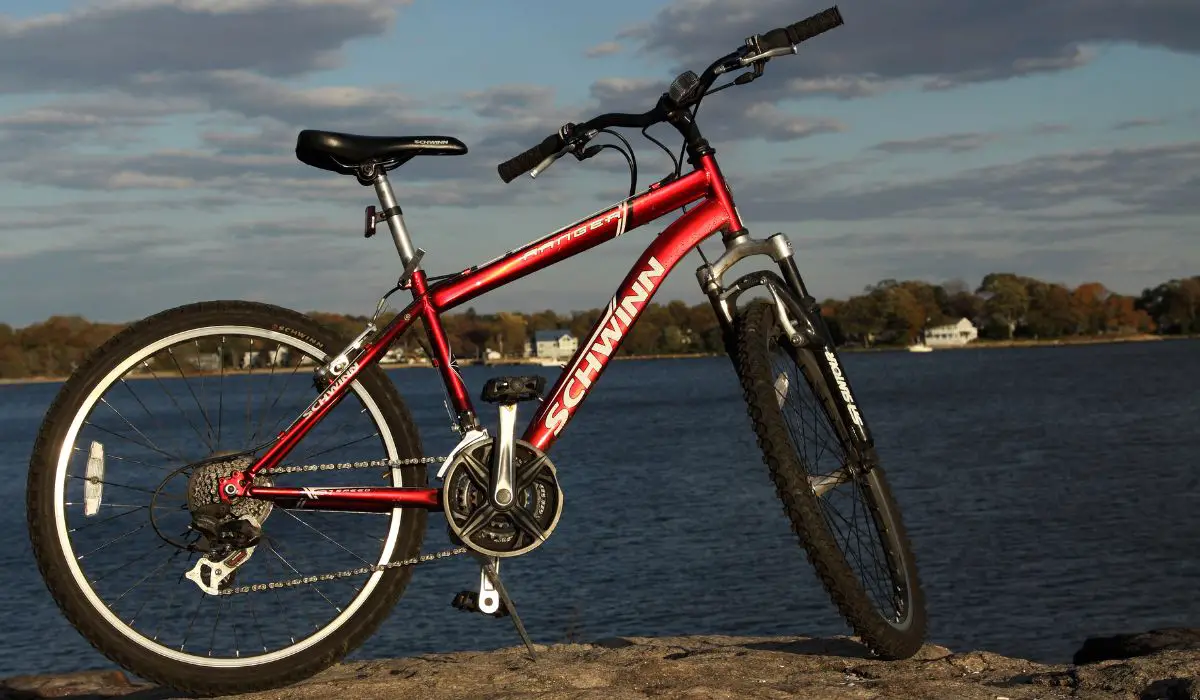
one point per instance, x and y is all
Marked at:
(1005, 300)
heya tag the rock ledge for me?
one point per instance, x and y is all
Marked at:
(709, 667)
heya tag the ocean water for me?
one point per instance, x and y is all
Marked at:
(1050, 493)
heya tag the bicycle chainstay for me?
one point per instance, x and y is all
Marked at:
(362, 570)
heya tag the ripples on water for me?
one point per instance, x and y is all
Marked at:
(1051, 494)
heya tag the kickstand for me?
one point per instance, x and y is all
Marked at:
(494, 577)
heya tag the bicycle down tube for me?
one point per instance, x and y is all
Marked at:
(716, 213)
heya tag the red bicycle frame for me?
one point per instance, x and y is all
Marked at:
(716, 213)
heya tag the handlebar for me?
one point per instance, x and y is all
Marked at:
(539, 157)
(759, 49)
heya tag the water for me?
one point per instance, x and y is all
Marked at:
(1050, 493)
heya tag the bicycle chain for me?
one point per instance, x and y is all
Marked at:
(362, 570)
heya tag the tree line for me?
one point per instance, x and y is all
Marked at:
(891, 312)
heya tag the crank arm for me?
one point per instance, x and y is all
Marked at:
(502, 495)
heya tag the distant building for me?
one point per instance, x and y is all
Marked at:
(557, 344)
(266, 358)
(207, 362)
(953, 334)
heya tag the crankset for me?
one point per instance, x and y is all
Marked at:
(501, 495)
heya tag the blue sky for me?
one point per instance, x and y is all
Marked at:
(146, 146)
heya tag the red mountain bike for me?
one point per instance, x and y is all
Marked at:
(201, 551)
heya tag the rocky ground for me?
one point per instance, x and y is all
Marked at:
(1159, 664)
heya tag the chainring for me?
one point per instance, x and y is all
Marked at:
(530, 520)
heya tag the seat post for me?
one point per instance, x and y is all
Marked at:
(394, 217)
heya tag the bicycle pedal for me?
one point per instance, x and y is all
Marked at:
(510, 390)
(468, 601)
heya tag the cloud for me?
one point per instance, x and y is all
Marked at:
(108, 45)
(1138, 123)
(953, 143)
(509, 101)
(946, 41)
(607, 48)
(843, 87)
(1152, 180)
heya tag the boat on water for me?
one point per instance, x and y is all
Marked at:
(920, 345)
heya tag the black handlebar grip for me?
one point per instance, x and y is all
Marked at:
(815, 25)
(513, 168)
(801, 31)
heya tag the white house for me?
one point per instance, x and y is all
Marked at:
(557, 344)
(953, 334)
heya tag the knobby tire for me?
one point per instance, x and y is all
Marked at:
(757, 330)
(51, 557)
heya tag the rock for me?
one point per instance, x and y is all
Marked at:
(708, 667)
(81, 684)
(1127, 646)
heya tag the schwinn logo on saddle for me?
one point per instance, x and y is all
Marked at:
(844, 389)
(611, 329)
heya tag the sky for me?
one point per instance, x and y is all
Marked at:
(147, 146)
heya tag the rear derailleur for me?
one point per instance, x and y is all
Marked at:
(227, 542)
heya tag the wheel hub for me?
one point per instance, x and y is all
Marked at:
(204, 489)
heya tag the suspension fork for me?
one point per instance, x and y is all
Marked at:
(724, 299)
(792, 300)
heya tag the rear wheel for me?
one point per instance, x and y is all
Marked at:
(847, 521)
(113, 484)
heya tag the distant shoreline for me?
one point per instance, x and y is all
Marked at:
(979, 344)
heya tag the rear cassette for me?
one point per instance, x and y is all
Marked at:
(477, 523)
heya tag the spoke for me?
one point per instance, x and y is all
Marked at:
(140, 581)
(332, 432)
(173, 401)
(257, 624)
(266, 392)
(220, 389)
(192, 622)
(212, 640)
(272, 550)
(147, 602)
(108, 455)
(137, 398)
(129, 439)
(322, 534)
(188, 384)
(110, 518)
(355, 441)
(110, 542)
(149, 442)
(249, 385)
(113, 483)
(131, 561)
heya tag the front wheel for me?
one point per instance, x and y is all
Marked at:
(135, 444)
(847, 520)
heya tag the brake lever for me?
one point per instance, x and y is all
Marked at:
(573, 146)
(541, 167)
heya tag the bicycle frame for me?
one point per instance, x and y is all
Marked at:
(715, 213)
